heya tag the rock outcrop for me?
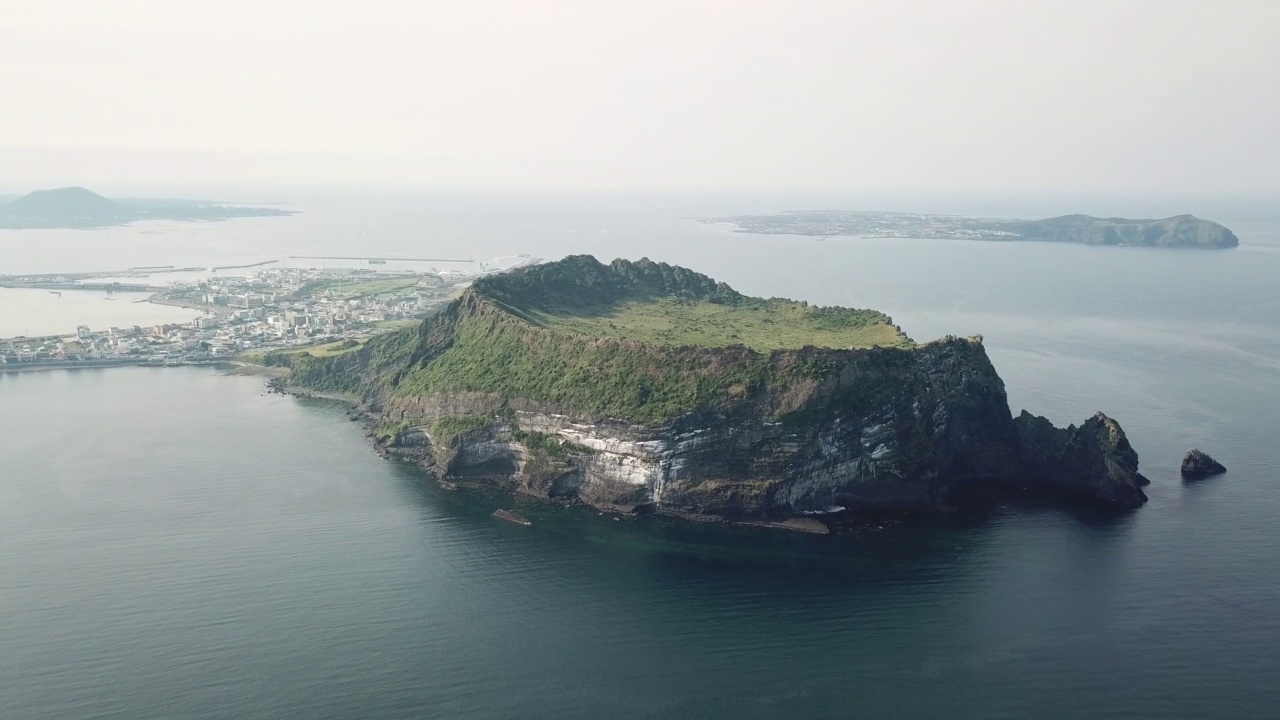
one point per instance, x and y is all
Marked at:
(1094, 460)
(492, 390)
(1196, 464)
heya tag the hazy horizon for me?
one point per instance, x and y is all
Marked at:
(889, 98)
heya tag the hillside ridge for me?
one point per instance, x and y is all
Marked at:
(69, 203)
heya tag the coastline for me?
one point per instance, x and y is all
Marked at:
(278, 383)
(93, 364)
(214, 310)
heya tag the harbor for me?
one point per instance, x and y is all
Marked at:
(376, 260)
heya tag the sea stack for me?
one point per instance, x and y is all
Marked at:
(1093, 460)
(1196, 464)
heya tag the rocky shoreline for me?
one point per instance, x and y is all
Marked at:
(1089, 454)
(356, 411)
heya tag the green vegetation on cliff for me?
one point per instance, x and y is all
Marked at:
(762, 325)
(375, 364)
(660, 304)
(451, 426)
(553, 446)
(639, 341)
(389, 430)
(281, 357)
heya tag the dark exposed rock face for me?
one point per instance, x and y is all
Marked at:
(922, 451)
(1094, 460)
(938, 428)
(1197, 465)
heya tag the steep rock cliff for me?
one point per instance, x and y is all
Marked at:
(1094, 460)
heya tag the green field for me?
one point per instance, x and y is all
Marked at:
(762, 325)
(332, 349)
(348, 291)
(397, 324)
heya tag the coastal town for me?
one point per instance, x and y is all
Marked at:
(244, 317)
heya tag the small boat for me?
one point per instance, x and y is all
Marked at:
(55, 292)
(510, 517)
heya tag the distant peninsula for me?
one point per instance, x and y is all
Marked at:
(647, 387)
(76, 207)
(1180, 231)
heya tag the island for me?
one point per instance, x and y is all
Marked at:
(1181, 231)
(643, 387)
(1197, 465)
(76, 207)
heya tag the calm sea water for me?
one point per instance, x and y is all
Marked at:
(175, 543)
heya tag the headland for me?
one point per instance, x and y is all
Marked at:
(646, 387)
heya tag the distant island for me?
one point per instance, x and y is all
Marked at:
(76, 207)
(647, 387)
(1180, 231)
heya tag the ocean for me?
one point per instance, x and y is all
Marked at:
(177, 543)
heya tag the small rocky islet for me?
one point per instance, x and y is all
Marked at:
(511, 516)
(1196, 464)
(647, 387)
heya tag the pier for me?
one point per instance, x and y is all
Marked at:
(383, 259)
(99, 286)
(243, 267)
(107, 363)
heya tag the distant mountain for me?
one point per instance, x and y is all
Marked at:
(1178, 231)
(76, 207)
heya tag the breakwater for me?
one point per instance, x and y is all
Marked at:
(383, 259)
(98, 286)
(87, 364)
(244, 267)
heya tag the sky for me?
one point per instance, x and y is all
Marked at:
(983, 95)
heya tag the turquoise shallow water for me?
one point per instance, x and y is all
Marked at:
(175, 543)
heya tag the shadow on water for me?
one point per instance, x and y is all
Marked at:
(1201, 480)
